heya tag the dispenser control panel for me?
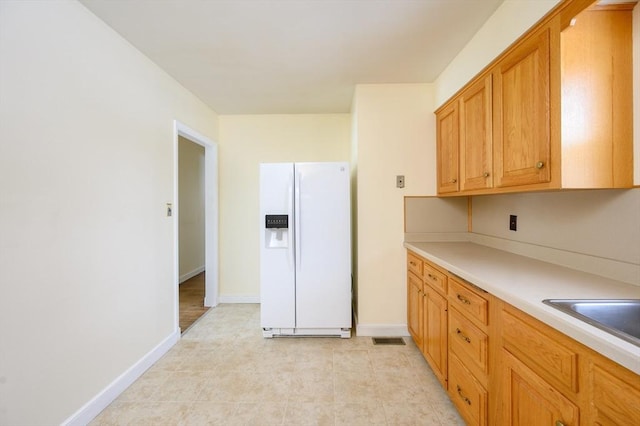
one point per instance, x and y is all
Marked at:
(279, 221)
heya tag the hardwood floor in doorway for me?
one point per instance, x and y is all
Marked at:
(191, 301)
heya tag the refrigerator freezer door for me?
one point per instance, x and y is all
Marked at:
(323, 245)
(277, 274)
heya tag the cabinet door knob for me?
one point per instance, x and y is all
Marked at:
(559, 423)
(539, 165)
(486, 174)
(454, 181)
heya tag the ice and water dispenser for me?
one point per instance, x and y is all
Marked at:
(277, 230)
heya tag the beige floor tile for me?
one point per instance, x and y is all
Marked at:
(389, 358)
(164, 413)
(209, 413)
(226, 386)
(269, 413)
(181, 386)
(311, 386)
(222, 371)
(355, 387)
(351, 360)
(308, 413)
(320, 360)
(409, 414)
(143, 388)
(359, 414)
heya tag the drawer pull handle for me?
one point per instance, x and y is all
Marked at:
(463, 299)
(412, 263)
(465, 399)
(559, 423)
(433, 277)
(462, 336)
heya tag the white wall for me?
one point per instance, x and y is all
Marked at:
(245, 142)
(512, 19)
(86, 169)
(191, 229)
(603, 226)
(424, 216)
(395, 136)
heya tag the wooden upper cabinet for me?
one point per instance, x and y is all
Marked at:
(522, 137)
(476, 140)
(553, 111)
(596, 101)
(448, 137)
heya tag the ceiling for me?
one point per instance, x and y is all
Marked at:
(294, 56)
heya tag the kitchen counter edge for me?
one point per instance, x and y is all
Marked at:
(524, 282)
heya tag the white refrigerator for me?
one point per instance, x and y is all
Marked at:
(305, 249)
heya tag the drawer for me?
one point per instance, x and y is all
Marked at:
(467, 394)
(435, 278)
(468, 301)
(548, 358)
(468, 343)
(414, 264)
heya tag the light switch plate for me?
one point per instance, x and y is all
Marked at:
(400, 181)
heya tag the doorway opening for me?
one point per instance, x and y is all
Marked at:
(195, 225)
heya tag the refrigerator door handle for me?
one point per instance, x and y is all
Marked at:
(297, 217)
(291, 215)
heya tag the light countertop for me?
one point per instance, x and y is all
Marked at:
(524, 282)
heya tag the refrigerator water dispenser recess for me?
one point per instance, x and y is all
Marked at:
(277, 230)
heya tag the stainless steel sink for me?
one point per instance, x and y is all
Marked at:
(620, 317)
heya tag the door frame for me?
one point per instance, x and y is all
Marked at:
(210, 212)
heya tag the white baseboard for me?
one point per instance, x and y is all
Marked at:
(382, 330)
(238, 299)
(190, 274)
(99, 402)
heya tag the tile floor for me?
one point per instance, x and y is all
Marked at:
(224, 372)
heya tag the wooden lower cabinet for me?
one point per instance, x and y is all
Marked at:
(529, 400)
(467, 393)
(614, 394)
(435, 333)
(503, 367)
(427, 313)
(414, 308)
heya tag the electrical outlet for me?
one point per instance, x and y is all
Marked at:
(513, 222)
(400, 181)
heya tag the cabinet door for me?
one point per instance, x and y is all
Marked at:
(529, 400)
(614, 394)
(414, 308)
(476, 140)
(435, 333)
(448, 140)
(521, 114)
(597, 106)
